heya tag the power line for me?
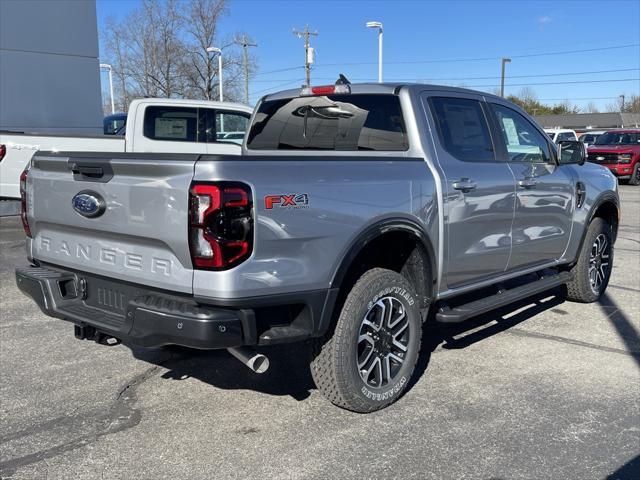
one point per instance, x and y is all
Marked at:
(478, 78)
(452, 60)
(280, 70)
(565, 52)
(561, 83)
(278, 86)
(576, 98)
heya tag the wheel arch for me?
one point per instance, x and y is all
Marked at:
(423, 269)
(607, 207)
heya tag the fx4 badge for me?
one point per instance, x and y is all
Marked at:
(292, 201)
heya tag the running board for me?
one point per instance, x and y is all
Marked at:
(506, 297)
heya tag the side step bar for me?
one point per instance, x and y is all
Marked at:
(506, 297)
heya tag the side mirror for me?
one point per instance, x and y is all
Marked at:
(571, 152)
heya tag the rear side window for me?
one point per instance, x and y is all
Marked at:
(230, 127)
(463, 128)
(334, 122)
(176, 124)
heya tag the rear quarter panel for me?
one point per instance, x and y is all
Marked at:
(300, 248)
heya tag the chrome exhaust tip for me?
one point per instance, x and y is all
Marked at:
(257, 362)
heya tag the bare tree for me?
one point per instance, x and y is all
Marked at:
(198, 67)
(631, 104)
(160, 50)
(591, 108)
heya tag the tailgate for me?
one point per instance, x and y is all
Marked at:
(138, 233)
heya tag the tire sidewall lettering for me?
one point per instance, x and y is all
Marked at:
(387, 394)
(399, 291)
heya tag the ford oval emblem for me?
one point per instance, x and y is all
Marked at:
(88, 204)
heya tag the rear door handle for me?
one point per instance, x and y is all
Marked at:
(527, 183)
(464, 185)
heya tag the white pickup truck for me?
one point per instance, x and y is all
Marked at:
(153, 125)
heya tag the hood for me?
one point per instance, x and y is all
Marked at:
(613, 148)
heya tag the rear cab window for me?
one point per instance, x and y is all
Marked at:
(344, 122)
(176, 124)
(194, 124)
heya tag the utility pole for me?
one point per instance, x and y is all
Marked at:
(622, 105)
(504, 61)
(307, 50)
(245, 43)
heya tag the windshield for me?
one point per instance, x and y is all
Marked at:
(333, 122)
(618, 138)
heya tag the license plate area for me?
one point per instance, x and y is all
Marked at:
(109, 296)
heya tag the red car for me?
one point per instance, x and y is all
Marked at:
(619, 151)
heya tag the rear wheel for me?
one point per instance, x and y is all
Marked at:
(365, 364)
(635, 176)
(592, 271)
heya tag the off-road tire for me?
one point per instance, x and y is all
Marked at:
(579, 289)
(334, 364)
(635, 176)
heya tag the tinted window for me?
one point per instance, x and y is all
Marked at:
(463, 128)
(618, 138)
(334, 122)
(230, 127)
(524, 142)
(566, 136)
(113, 124)
(177, 124)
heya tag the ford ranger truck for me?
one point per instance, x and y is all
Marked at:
(355, 212)
(619, 151)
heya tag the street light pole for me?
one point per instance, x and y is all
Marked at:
(107, 67)
(504, 61)
(219, 52)
(378, 25)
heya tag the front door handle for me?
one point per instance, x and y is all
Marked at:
(464, 184)
(527, 183)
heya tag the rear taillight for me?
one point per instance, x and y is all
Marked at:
(220, 224)
(23, 202)
(3, 151)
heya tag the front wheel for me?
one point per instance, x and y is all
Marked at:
(592, 271)
(365, 364)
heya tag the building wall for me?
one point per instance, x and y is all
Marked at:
(49, 68)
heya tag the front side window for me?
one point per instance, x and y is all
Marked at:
(463, 129)
(175, 124)
(345, 122)
(523, 141)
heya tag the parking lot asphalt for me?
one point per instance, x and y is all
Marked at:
(548, 390)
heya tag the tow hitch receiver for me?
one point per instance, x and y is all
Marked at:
(87, 332)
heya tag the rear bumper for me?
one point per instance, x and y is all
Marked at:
(153, 318)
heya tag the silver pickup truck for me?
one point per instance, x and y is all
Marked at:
(354, 213)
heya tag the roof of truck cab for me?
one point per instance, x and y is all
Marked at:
(195, 103)
(384, 88)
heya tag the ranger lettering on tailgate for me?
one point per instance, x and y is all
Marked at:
(105, 255)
